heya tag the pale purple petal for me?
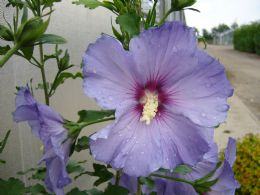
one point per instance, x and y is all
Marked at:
(178, 137)
(202, 95)
(230, 151)
(55, 178)
(25, 113)
(160, 51)
(129, 182)
(140, 149)
(44, 121)
(208, 163)
(130, 145)
(226, 183)
(107, 72)
(24, 97)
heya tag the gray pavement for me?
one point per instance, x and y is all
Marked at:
(243, 70)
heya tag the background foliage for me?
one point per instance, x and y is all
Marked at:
(247, 38)
(247, 165)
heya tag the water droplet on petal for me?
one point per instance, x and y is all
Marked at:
(223, 108)
(203, 114)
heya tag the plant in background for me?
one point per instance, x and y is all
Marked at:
(247, 37)
(247, 165)
(165, 96)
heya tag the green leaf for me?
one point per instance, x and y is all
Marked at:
(101, 172)
(183, 169)
(202, 188)
(116, 190)
(12, 186)
(63, 63)
(76, 191)
(151, 16)
(5, 33)
(177, 5)
(31, 30)
(94, 191)
(129, 23)
(39, 174)
(4, 49)
(25, 172)
(75, 167)
(149, 182)
(50, 39)
(25, 15)
(192, 9)
(27, 52)
(49, 3)
(91, 4)
(37, 189)
(82, 144)
(2, 161)
(55, 55)
(4, 141)
(40, 86)
(119, 5)
(117, 34)
(15, 3)
(92, 116)
(209, 175)
(64, 76)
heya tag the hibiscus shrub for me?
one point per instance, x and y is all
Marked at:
(247, 165)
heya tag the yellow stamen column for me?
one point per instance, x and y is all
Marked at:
(151, 103)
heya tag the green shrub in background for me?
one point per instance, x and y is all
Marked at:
(257, 42)
(247, 165)
(247, 38)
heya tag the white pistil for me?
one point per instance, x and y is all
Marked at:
(151, 103)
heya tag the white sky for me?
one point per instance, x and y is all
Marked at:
(214, 12)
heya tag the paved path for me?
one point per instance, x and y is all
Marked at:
(243, 70)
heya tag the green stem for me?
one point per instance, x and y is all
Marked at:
(9, 54)
(118, 175)
(84, 124)
(77, 127)
(139, 188)
(16, 20)
(47, 100)
(54, 81)
(174, 179)
(165, 17)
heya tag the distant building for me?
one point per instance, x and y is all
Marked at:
(225, 38)
(162, 7)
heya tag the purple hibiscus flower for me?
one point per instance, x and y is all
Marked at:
(47, 125)
(167, 94)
